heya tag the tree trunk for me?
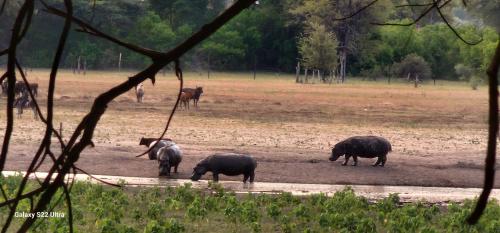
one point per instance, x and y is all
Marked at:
(297, 72)
(343, 64)
(307, 76)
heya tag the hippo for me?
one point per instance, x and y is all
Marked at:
(229, 164)
(362, 146)
(147, 141)
(169, 156)
(154, 151)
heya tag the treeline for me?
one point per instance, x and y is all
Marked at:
(271, 35)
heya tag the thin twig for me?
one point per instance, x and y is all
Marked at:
(178, 73)
(453, 29)
(357, 12)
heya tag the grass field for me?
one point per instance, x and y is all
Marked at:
(438, 132)
(183, 209)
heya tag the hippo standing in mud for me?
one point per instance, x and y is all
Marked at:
(150, 142)
(362, 146)
(228, 164)
(169, 156)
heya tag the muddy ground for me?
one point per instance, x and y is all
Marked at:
(438, 132)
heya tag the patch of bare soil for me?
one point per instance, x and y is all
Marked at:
(438, 133)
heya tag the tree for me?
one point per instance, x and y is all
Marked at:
(348, 31)
(318, 48)
(224, 48)
(487, 10)
(413, 67)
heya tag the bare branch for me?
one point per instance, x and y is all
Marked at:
(453, 29)
(358, 11)
(489, 170)
(87, 28)
(178, 73)
(422, 15)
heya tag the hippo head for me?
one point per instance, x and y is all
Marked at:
(164, 161)
(337, 151)
(143, 142)
(198, 171)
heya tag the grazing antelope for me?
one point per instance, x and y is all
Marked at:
(195, 94)
(139, 92)
(25, 101)
(185, 98)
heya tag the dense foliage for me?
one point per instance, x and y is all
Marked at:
(268, 36)
(103, 209)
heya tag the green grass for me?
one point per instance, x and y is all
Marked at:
(104, 209)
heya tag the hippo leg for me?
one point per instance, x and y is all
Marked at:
(346, 160)
(252, 176)
(175, 168)
(245, 177)
(378, 162)
(355, 158)
(384, 158)
(216, 177)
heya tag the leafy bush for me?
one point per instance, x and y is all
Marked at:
(413, 67)
(184, 209)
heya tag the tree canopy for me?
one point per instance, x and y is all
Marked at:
(273, 35)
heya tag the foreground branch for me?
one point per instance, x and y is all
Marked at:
(489, 170)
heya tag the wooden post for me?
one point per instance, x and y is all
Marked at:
(78, 65)
(208, 66)
(120, 63)
(84, 66)
(297, 72)
(307, 75)
(60, 129)
(254, 66)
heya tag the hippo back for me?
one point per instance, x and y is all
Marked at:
(231, 163)
(367, 146)
(153, 152)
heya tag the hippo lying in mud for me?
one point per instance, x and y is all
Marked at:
(169, 156)
(149, 142)
(362, 146)
(228, 164)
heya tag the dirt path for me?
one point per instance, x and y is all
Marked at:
(372, 192)
(438, 133)
(295, 166)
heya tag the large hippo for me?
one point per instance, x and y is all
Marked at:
(229, 164)
(362, 146)
(169, 156)
(155, 147)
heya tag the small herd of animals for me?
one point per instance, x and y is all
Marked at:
(187, 95)
(23, 99)
(168, 154)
